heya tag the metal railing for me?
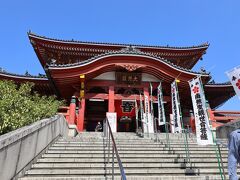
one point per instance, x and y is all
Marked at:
(167, 135)
(218, 155)
(167, 144)
(108, 142)
(186, 145)
(222, 171)
(185, 133)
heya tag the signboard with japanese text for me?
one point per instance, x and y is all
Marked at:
(203, 130)
(127, 106)
(161, 111)
(128, 78)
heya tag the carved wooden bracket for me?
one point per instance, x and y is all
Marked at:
(130, 67)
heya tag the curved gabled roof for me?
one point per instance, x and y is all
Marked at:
(126, 52)
(65, 52)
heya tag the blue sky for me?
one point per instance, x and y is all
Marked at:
(150, 22)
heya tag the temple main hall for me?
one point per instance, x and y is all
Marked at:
(95, 78)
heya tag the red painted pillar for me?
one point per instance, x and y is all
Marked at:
(81, 113)
(111, 107)
(72, 110)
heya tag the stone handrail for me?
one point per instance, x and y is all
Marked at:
(20, 148)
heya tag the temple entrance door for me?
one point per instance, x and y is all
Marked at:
(95, 112)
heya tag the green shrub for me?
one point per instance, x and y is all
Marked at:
(19, 106)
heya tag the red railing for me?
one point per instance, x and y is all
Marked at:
(64, 110)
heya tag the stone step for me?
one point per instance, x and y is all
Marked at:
(132, 136)
(119, 135)
(143, 171)
(129, 177)
(147, 155)
(125, 143)
(153, 145)
(130, 151)
(125, 165)
(126, 160)
(101, 140)
(135, 148)
(135, 135)
(127, 139)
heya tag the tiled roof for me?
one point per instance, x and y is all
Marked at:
(26, 76)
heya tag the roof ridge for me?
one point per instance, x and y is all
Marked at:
(219, 83)
(203, 45)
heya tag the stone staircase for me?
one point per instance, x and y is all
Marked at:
(84, 157)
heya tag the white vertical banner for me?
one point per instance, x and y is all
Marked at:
(234, 76)
(161, 111)
(176, 111)
(203, 130)
(112, 119)
(141, 108)
(147, 117)
(151, 121)
(136, 113)
(145, 124)
(146, 107)
(136, 109)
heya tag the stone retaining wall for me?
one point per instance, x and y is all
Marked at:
(224, 130)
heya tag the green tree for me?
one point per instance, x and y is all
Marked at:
(19, 106)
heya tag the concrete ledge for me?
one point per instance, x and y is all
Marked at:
(19, 148)
(72, 130)
(13, 136)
